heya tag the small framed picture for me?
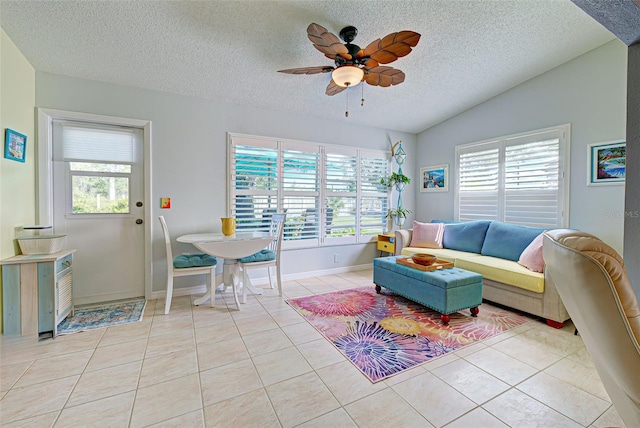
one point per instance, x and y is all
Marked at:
(434, 178)
(607, 163)
(15, 145)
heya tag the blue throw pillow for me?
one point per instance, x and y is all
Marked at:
(508, 241)
(261, 256)
(467, 236)
(194, 260)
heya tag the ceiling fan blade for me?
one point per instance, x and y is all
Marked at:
(371, 63)
(333, 89)
(326, 42)
(392, 46)
(384, 76)
(308, 70)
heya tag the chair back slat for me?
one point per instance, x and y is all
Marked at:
(167, 241)
(276, 229)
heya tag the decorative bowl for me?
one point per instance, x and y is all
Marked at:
(424, 259)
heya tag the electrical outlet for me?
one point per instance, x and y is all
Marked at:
(336, 258)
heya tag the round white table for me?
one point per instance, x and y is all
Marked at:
(229, 248)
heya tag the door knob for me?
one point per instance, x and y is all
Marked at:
(139, 221)
(138, 204)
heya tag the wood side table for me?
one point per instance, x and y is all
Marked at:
(387, 243)
(37, 293)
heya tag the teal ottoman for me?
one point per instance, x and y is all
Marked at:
(444, 290)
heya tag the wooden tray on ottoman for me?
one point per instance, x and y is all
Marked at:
(438, 264)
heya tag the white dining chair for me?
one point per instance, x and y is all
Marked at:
(266, 258)
(207, 266)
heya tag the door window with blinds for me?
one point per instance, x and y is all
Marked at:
(99, 163)
(331, 194)
(521, 179)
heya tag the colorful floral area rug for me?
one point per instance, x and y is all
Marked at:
(385, 334)
(103, 316)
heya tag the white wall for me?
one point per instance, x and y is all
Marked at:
(189, 156)
(588, 92)
(17, 180)
(17, 183)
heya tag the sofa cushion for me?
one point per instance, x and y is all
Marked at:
(441, 253)
(427, 235)
(193, 260)
(467, 236)
(504, 271)
(508, 241)
(531, 257)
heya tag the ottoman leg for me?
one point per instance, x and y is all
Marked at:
(378, 288)
(445, 319)
(474, 311)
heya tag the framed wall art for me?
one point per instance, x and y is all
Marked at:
(434, 178)
(607, 163)
(15, 145)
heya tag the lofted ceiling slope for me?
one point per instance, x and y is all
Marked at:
(230, 51)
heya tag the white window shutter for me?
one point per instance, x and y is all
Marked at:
(478, 184)
(520, 179)
(331, 194)
(531, 183)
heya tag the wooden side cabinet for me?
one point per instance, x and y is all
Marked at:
(37, 293)
(387, 243)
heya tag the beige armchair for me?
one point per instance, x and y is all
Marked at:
(593, 284)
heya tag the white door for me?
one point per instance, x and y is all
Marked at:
(98, 203)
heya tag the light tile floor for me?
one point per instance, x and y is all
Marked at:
(265, 366)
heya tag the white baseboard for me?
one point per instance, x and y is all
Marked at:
(201, 289)
(104, 298)
(184, 291)
(313, 274)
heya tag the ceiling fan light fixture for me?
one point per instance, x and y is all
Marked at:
(347, 75)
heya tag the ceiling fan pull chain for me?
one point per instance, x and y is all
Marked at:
(362, 99)
(346, 113)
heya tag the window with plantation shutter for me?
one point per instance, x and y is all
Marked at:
(301, 192)
(254, 181)
(374, 198)
(520, 179)
(532, 183)
(341, 185)
(478, 172)
(331, 194)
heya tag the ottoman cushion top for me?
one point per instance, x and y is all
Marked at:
(441, 278)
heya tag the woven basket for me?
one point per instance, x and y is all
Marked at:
(49, 244)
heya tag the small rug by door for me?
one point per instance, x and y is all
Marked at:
(385, 334)
(103, 316)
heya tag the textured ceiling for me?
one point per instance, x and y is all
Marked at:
(230, 51)
(621, 17)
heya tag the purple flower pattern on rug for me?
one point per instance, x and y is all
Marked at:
(376, 351)
(385, 334)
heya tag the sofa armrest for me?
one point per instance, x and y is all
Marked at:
(403, 239)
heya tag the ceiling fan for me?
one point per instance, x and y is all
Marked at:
(353, 64)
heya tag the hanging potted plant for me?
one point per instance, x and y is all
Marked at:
(399, 214)
(397, 180)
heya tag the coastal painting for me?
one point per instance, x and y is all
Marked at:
(607, 163)
(434, 178)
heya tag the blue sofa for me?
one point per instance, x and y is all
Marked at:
(492, 249)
